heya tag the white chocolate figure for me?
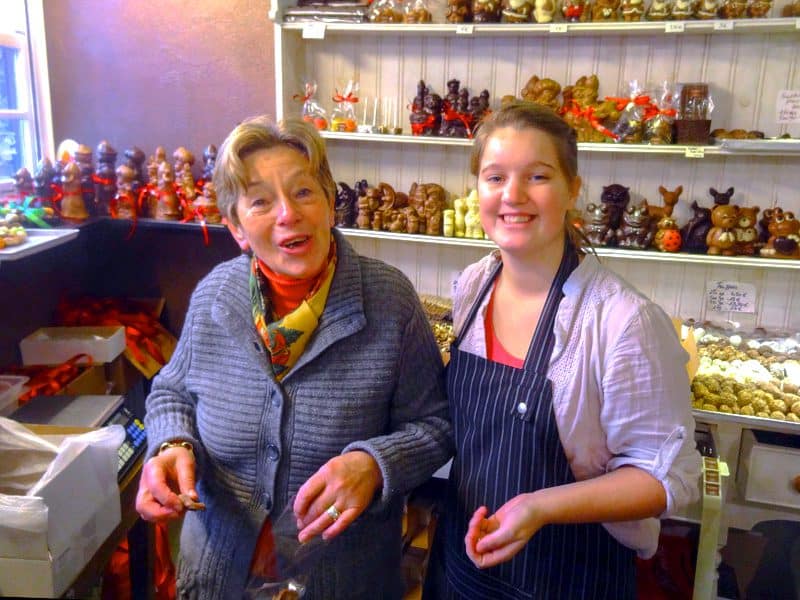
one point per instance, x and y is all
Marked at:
(660, 10)
(472, 220)
(543, 11)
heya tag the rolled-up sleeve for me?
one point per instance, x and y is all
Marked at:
(646, 411)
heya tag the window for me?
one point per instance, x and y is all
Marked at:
(25, 121)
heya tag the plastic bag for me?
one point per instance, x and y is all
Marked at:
(293, 561)
(312, 111)
(660, 116)
(629, 127)
(24, 457)
(27, 463)
(343, 117)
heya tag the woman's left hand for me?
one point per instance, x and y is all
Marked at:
(346, 482)
(495, 539)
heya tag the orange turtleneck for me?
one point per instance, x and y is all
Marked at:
(287, 293)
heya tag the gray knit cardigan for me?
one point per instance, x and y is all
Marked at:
(370, 378)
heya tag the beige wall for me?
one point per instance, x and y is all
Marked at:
(157, 72)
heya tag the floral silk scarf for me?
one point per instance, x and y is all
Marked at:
(286, 338)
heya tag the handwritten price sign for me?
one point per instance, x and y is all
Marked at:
(723, 296)
(789, 106)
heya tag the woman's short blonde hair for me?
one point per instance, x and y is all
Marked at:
(262, 133)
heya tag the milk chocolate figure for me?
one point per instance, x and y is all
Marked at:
(72, 202)
(83, 157)
(206, 203)
(168, 206)
(123, 205)
(181, 157)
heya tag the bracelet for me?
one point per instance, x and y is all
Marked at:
(180, 444)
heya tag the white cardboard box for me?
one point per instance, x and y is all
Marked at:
(83, 509)
(55, 345)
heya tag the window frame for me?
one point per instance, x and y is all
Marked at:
(32, 74)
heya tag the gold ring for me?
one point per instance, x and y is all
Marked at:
(333, 512)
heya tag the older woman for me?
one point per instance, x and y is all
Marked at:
(304, 370)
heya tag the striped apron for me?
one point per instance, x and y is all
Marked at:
(507, 443)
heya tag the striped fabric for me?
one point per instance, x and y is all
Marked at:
(507, 444)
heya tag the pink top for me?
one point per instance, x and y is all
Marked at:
(494, 349)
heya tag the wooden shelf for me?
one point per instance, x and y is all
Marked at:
(621, 253)
(780, 148)
(317, 30)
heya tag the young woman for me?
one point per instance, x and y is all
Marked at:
(567, 389)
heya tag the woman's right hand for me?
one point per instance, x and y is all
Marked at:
(164, 476)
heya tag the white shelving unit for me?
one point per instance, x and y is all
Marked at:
(745, 62)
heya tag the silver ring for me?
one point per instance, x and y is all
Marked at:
(333, 512)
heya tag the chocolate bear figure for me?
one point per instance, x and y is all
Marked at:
(721, 238)
(745, 230)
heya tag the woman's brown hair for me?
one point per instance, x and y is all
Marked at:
(521, 115)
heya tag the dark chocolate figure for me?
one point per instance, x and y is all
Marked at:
(23, 184)
(721, 197)
(616, 197)
(134, 158)
(43, 182)
(106, 179)
(345, 207)
(209, 160)
(695, 231)
(83, 158)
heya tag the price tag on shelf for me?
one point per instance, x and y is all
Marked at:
(695, 152)
(723, 25)
(313, 31)
(723, 296)
(797, 23)
(674, 27)
(464, 29)
(559, 28)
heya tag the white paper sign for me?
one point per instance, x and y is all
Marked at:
(788, 106)
(314, 31)
(725, 296)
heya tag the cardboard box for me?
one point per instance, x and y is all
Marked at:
(55, 345)
(83, 509)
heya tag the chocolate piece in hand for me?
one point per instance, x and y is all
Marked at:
(191, 504)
